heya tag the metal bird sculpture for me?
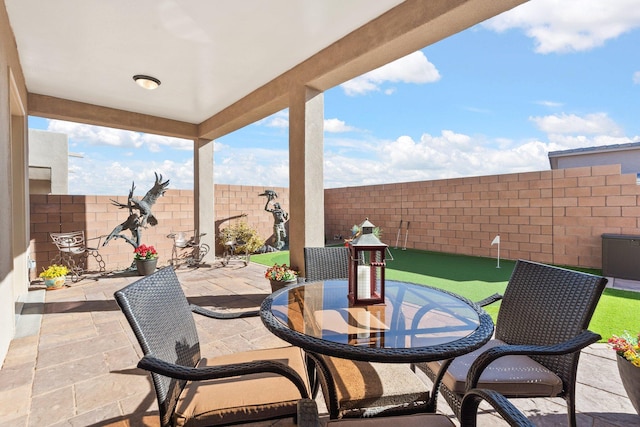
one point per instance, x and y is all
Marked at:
(132, 224)
(149, 199)
(138, 220)
(269, 194)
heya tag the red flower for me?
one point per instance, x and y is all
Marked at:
(145, 252)
(281, 273)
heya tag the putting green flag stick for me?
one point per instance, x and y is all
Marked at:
(496, 241)
(398, 235)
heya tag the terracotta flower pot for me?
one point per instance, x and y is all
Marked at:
(146, 267)
(630, 376)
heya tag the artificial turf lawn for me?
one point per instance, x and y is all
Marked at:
(477, 278)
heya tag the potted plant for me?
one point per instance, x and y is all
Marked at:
(239, 239)
(628, 359)
(54, 276)
(280, 276)
(146, 259)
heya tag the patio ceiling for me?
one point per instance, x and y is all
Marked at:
(223, 63)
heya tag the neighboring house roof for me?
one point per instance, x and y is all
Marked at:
(590, 150)
(628, 155)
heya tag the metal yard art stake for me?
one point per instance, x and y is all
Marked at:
(496, 240)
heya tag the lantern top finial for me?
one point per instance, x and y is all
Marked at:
(367, 227)
(367, 236)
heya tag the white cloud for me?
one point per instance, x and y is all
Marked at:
(448, 155)
(103, 136)
(477, 110)
(336, 126)
(219, 146)
(452, 154)
(413, 68)
(636, 78)
(550, 104)
(570, 25)
(113, 158)
(590, 124)
(278, 120)
(350, 162)
(252, 166)
(90, 175)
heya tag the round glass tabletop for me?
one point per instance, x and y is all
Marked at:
(415, 323)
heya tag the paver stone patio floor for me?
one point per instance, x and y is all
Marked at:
(73, 360)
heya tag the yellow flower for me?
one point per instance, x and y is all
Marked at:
(54, 271)
(627, 346)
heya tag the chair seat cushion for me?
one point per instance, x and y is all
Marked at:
(513, 376)
(242, 399)
(368, 385)
(418, 420)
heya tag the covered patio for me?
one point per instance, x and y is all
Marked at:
(68, 357)
(222, 66)
(73, 360)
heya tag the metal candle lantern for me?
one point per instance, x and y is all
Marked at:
(366, 267)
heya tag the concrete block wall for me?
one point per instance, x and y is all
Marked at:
(550, 216)
(97, 216)
(553, 216)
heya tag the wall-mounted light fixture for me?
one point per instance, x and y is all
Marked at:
(146, 82)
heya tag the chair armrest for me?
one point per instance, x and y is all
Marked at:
(572, 345)
(171, 370)
(489, 300)
(223, 315)
(471, 400)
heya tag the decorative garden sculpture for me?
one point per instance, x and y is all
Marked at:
(140, 215)
(280, 217)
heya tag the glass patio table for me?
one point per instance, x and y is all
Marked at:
(416, 323)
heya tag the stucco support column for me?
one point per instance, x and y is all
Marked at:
(306, 186)
(203, 194)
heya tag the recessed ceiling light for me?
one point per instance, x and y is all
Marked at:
(146, 82)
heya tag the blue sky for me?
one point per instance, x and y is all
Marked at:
(493, 99)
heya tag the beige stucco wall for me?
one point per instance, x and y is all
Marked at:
(48, 154)
(13, 250)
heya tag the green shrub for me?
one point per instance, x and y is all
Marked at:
(245, 238)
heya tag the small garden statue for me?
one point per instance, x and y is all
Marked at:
(140, 215)
(280, 217)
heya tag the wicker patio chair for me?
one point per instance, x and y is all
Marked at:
(241, 387)
(326, 263)
(74, 251)
(540, 330)
(356, 388)
(308, 414)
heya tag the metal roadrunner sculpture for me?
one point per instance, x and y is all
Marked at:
(140, 214)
